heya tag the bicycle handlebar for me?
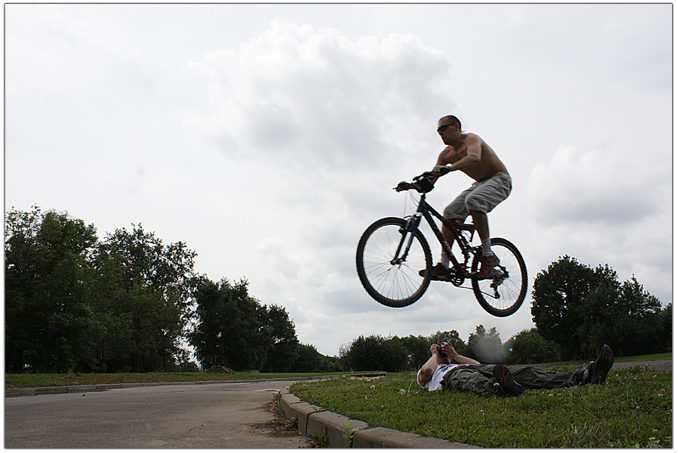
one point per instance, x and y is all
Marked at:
(421, 184)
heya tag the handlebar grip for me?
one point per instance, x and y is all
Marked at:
(402, 186)
(426, 174)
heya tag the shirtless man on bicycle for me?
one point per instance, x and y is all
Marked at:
(470, 154)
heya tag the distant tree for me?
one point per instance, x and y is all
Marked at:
(50, 325)
(528, 347)
(636, 320)
(150, 287)
(557, 302)
(307, 359)
(282, 339)
(229, 326)
(417, 350)
(665, 329)
(486, 346)
(451, 336)
(376, 353)
(580, 309)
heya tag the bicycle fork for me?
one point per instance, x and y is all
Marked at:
(410, 227)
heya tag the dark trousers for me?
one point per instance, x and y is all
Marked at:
(479, 378)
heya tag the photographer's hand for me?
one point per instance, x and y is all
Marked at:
(452, 353)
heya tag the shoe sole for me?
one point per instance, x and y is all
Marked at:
(602, 365)
(506, 382)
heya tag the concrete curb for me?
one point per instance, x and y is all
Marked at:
(339, 431)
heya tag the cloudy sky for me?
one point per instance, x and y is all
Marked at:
(268, 137)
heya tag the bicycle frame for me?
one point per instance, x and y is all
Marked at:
(427, 211)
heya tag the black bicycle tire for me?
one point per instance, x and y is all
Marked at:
(477, 290)
(367, 283)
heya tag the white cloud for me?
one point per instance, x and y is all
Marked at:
(314, 95)
(588, 187)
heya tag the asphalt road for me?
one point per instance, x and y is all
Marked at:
(170, 416)
(656, 365)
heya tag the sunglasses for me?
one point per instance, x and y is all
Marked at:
(443, 127)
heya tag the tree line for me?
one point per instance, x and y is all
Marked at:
(129, 302)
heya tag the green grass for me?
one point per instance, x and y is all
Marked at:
(54, 380)
(632, 409)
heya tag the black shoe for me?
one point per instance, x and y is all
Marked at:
(438, 272)
(597, 371)
(506, 381)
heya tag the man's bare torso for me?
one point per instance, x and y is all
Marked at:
(489, 164)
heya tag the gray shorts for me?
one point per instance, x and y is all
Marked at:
(482, 196)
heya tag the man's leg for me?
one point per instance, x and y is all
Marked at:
(536, 378)
(481, 223)
(594, 373)
(456, 211)
(472, 378)
(479, 202)
(483, 228)
(449, 238)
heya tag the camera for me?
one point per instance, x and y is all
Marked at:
(440, 348)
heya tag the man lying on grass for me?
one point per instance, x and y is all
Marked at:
(467, 374)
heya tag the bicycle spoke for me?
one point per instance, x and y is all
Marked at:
(388, 278)
(503, 294)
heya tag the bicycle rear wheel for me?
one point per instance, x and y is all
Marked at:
(504, 292)
(388, 261)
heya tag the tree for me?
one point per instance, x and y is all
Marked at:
(49, 324)
(486, 346)
(417, 350)
(150, 287)
(282, 338)
(528, 346)
(376, 353)
(230, 327)
(307, 359)
(665, 329)
(638, 319)
(234, 330)
(580, 309)
(557, 299)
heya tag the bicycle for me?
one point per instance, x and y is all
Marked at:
(394, 261)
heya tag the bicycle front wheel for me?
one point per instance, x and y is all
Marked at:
(504, 292)
(389, 260)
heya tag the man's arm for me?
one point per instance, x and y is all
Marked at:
(473, 155)
(426, 372)
(472, 158)
(452, 353)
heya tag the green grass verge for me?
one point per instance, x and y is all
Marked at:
(54, 380)
(632, 409)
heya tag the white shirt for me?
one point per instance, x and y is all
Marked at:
(436, 380)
